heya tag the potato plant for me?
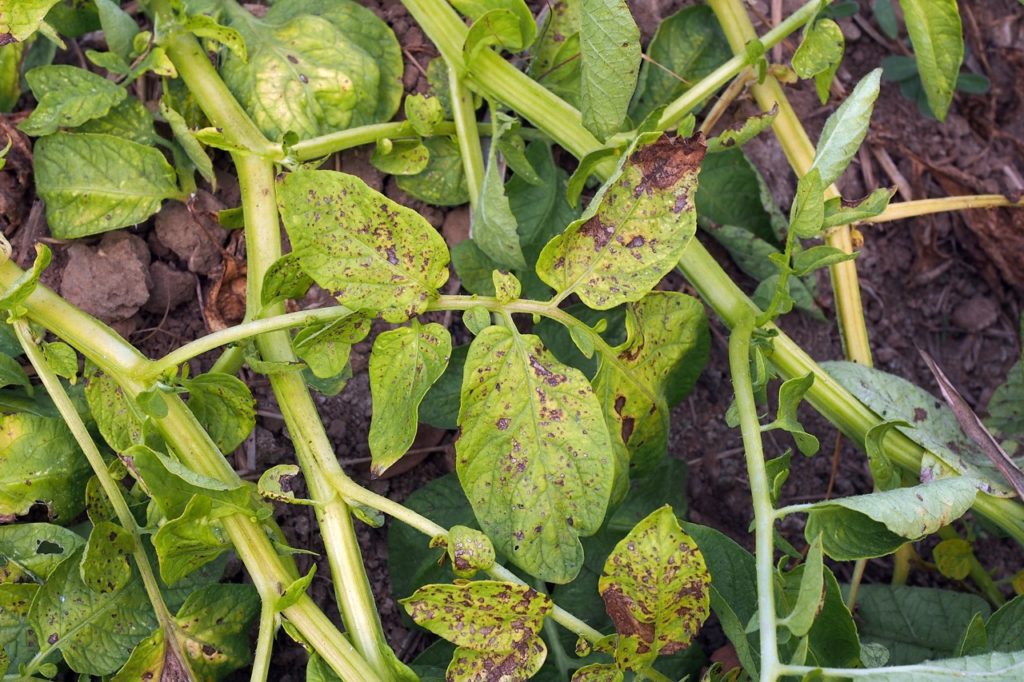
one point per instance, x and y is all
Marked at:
(563, 526)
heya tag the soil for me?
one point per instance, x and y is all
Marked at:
(951, 284)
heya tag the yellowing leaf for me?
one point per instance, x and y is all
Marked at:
(19, 19)
(469, 550)
(534, 456)
(655, 587)
(404, 364)
(521, 663)
(67, 97)
(937, 36)
(105, 565)
(368, 251)
(634, 231)
(953, 558)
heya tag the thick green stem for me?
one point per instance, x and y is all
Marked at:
(760, 493)
(312, 447)
(110, 488)
(264, 643)
(467, 134)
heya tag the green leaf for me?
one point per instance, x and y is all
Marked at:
(655, 588)
(224, 406)
(936, 34)
(469, 550)
(62, 359)
(556, 53)
(119, 29)
(404, 363)
(95, 631)
(410, 567)
(808, 210)
(215, 621)
(935, 426)
(189, 144)
(1003, 628)
(19, 19)
(494, 226)
(104, 566)
(953, 558)
(36, 548)
(40, 462)
(424, 112)
(326, 348)
(116, 417)
(791, 393)
(845, 129)
(23, 286)
(997, 667)
(588, 165)
(884, 473)
(190, 541)
(819, 55)
(513, 151)
(94, 183)
(11, 373)
(915, 623)
(473, 268)
(686, 47)
(315, 67)
(401, 157)
(504, 615)
(440, 407)
(634, 231)
(443, 181)
(817, 257)
(67, 97)
(295, 590)
(908, 513)
(778, 472)
(801, 617)
(609, 64)
(498, 28)
(129, 120)
(361, 246)
(638, 385)
(10, 75)
(832, 640)
(17, 640)
(840, 212)
(172, 485)
(1006, 406)
(743, 132)
(730, 191)
(532, 428)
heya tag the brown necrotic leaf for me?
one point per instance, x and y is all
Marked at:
(368, 251)
(636, 228)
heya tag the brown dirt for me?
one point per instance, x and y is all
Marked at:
(950, 284)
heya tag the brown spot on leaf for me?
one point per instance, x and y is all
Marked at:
(620, 609)
(665, 161)
(919, 414)
(503, 424)
(597, 231)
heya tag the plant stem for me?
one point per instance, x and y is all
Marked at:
(909, 209)
(467, 135)
(241, 332)
(760, 493)
(110, 487)
(312, 447)
(264, 643)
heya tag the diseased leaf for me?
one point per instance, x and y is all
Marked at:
(115, 415)
(40, 462)
(521, 663)
(67, 96)
(94, 183)
(635, 229)
(742, 133)
(404, 364)
(104, 565)
(845, 129)
(686, 47)
(532, 430)
(610, 58)
(469, 550)
(95, 631)
(819, 55)
(908, 513)
(915, 623)
(401, 157)
(598, 672)
(35, 548)
(556, 53)
(276, 484)
(655, 587)
(204, 26)
(190, 541)
(953, 558)
(638, 385)
(285, 279)
(935, 426)
(224, 406)
(10, 75)
(936, 34)
(315, 67)
(424, 112)
(443, 181)
(503, 615)
(19, 19)
(364, 248)
(17, 640)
